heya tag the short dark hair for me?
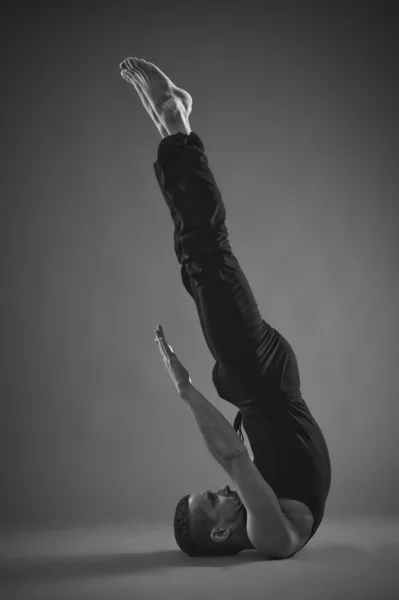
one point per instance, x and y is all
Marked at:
(193, 534)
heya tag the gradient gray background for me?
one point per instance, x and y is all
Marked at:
(297, 108)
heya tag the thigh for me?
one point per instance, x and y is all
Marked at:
(191, 288)
(238, 337)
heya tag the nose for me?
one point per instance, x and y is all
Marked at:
(226, 490)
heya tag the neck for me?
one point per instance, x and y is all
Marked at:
(240, 535)
(243, 540)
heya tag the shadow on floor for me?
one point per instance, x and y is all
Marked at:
(109, 565)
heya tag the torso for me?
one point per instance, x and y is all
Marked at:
(300, 516)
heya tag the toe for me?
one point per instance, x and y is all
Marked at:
(127, 75)
(139, 65)
(133, 76)
(133, 66)
(125, 64)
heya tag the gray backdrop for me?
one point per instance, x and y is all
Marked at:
(297, 108)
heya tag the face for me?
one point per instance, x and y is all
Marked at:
(224, 506)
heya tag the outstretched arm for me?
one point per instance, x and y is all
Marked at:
(220, 437)
(268, 528)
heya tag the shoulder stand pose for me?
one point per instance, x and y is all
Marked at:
(281, 493)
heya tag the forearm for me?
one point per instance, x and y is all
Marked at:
(220, 437)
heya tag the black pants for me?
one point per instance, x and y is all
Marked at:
(255, 366)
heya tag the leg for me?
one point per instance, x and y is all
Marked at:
(245, 347)
(239, 339)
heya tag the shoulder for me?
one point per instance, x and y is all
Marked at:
(297, 511)
(270, 530)
(301, 518)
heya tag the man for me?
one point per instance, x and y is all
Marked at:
(282, 492)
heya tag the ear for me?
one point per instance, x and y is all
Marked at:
(220, 534)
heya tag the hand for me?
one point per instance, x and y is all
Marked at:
(178, 373)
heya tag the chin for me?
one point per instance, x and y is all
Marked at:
(242, 514)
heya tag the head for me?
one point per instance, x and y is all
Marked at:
(211, 523)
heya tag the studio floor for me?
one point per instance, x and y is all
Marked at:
(346, 559)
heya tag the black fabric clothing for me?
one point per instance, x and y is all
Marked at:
(255, 368)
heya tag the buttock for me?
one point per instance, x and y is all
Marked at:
(230, 389)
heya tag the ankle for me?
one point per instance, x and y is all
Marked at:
(177, 123)
(175, 117)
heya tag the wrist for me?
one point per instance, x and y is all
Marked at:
(184, 389)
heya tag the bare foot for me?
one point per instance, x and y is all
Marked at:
(170, 104)
(146, 103)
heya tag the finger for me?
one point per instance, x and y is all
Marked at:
(161, 339)
(160, 334)
(164, 353)
(159, 329)
(165, 348)
(160, 348)
(157, 334)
